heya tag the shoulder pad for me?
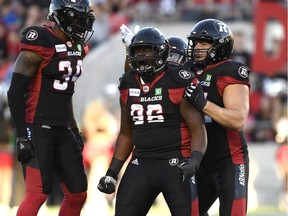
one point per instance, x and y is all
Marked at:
(236, 70)
(124, 79)
(36, 36)
(181, 73)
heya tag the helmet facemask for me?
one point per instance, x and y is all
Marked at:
(193, 54)
(77, 25)
(145, 64)
(215, 32)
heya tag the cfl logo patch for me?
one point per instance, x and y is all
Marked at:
(32, 35)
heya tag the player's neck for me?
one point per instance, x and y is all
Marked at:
(60, 33)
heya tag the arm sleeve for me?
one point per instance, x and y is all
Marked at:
(16, 102)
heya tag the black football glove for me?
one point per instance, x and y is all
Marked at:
(195, 95)
(107, 183)
(188, 167)
(24, 149)
(79, 137)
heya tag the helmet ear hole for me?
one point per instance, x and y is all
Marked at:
(71, 13)
(212, 54)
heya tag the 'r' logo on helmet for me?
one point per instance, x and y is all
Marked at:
(222, 27)
(32, 35)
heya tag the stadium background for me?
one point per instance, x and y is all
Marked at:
(261, 23)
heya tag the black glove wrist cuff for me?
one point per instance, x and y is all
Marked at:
(112, 174)
(115, 167)
(22, 139)
(197, 155)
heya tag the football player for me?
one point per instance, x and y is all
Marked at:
(178, 49)
(40, 100)
(223, 96)
(165, 133)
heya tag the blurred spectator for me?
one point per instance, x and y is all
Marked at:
(40, 3)
(12, 14)
(167, 7)
(3, 44)
(240, 52)
(13, 39)
(116, 17)
(34, 16)
(140, 10)
(6, 152)
(100, 129)
(101, 25)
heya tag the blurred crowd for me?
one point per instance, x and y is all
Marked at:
(268, 112)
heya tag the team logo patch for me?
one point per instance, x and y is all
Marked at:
(208, 78)
(243, 72)
(79, 47)
(32, 35)
(173, 161)
(134, 92)
(72, 2)
(185, 74)
(158, 91)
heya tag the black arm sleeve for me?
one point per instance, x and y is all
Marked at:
(16, 102)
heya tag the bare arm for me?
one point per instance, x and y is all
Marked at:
(126, 65)
(236, 107)
(27, 63)
(195, 122)
(124, 144)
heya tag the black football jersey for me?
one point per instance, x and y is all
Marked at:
(224, 145)
(50, 92)
(159, 130)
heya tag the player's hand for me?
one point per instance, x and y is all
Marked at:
(186, 169)
(79, 138)
(188, 166)
(107, 184)
(24, 148)
(126, 35)
(195, 95)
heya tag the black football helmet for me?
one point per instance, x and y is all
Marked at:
(74, 17)
(215, 32)
(150, 38)
(178, 47)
